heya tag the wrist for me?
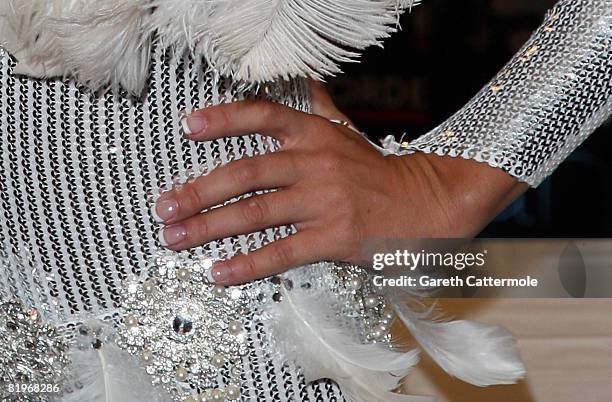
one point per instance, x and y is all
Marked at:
(470, 194)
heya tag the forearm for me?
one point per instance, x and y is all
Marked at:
(554, 93)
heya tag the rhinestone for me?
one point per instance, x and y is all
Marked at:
(277, 297)
(235, 293)
(132, 287)
(207, 263)
(96, 344)
(236, 371)
(182, 324)
(84, 330)
(33, 314)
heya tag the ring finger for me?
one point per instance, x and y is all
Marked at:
(255, 213)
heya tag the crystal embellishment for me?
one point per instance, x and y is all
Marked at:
(185, 332)
(32, 355)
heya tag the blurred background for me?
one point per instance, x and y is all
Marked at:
(448, 50)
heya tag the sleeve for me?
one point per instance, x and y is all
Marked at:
(551, 96)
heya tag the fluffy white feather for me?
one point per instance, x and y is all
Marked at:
(259, 39)
(98, 42)
(102, 42)
(476, 353)
(111, 375)
(303, 331)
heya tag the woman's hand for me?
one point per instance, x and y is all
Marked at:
(332, 185)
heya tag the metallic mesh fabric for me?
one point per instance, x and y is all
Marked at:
(79, 173)
(554, 93)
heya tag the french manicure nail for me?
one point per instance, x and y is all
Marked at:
(193, 124)
(172, 235)
(220, 272)
(165, 209)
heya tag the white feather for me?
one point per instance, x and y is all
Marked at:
(109, 374)
(476, 353)
(102, 42)
(96, 41)
(304, 332)
(263, 39)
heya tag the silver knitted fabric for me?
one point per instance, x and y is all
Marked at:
(79, 173)
(553, 94)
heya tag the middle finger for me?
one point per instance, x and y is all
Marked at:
(225, 182)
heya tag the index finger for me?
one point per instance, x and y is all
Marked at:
(241, 118)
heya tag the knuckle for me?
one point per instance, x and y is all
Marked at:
(249, 267)
(349, 233)
(267, 110)
(282, 254)
(245, 173)
(330, 161)
(339, 195)
(191, 197)
(224, 116)
(255, 211)
(201, 228)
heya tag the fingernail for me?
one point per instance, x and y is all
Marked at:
(220, 272)
(172, 235)
(193, 124)
(164, 210)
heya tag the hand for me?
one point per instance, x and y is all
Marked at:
(332, 185)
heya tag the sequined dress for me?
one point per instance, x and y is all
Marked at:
(80, 171)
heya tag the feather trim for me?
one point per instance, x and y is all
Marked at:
(102, 42)
(304, 332)
(476, 353)
(260, 39)
(110, 375)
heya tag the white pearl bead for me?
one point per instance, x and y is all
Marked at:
(234, 327)
(233, 392)
(181, 374)
(219, 291)
(371, 301)
(218, 395)
(131, 321)
(149, 286)
(218, 360)
(146, 357)
(354, 284)
(183, 274)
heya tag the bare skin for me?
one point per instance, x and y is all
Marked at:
(333, 186)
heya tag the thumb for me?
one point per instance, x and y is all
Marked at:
(323, 104)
